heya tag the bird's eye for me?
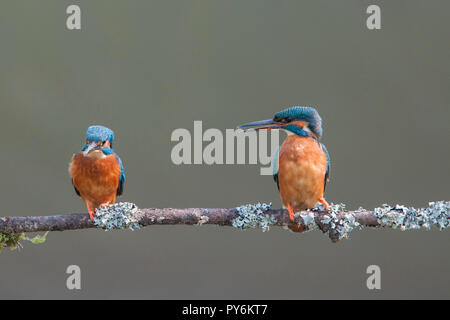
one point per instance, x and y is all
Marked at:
(103, 142)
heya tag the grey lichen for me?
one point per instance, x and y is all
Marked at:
(117, 216)
(346, 223)
(308, 220)
(409, 218)
(339, 224)
(253, 216)
(397, 217)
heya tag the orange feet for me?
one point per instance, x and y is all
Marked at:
(91, 213)
(291, 212)
(325, 204)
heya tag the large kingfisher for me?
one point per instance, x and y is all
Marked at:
(97, 171)
(302, 164)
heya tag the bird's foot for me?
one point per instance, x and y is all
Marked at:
(291, 212)
(105, 204)
(91, 213)
(325, 204)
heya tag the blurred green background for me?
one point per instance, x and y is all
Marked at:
(145, 68)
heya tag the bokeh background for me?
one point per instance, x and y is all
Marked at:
(145, 68)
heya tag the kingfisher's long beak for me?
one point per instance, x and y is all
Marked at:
(263, 124)
(92, 146)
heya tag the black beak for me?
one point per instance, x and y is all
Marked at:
(263, 124)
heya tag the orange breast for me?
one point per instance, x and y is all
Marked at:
(97, 179)
(301, 173)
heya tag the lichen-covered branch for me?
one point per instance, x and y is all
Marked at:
(337, 222)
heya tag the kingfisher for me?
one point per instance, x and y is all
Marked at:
(97, 172)
(301, 166)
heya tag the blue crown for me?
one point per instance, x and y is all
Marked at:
(308, 114)
(100, 133)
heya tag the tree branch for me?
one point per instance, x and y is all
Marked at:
(153, 216)
(337, 222)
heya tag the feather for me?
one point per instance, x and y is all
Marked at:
(327, 173)
(108, 151)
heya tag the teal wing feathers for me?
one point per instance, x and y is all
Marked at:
(327, 173)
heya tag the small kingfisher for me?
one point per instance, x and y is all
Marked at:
(301, 166)
(97, 172)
